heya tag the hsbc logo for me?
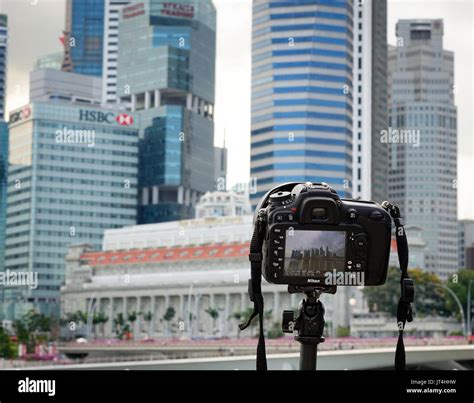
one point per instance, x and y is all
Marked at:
(105, 117)
(124, 120)
(20, 115)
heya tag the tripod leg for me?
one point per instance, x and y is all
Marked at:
(308, 355)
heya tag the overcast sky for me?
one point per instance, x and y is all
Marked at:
(35, 28)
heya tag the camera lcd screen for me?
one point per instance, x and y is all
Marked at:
(309, 253)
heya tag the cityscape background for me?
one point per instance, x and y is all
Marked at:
(233, 71)
(136, 137)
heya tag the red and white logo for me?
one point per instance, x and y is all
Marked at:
(124, 120)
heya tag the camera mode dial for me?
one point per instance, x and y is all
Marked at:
(281, 198)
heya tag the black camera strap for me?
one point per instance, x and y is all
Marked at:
(404, 309)
(255, 290)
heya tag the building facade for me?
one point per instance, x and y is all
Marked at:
(111, 24)
(84, 37)
(166, 72)
(3, 188)
(220, 204)
(466, 244)
(3, 133)
(3, 63)
(191, 266)
(72, 173)
(422, 135)
(370, 155)
(302, 56)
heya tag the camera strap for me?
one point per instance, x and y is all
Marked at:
(255, 291)
(404, 309)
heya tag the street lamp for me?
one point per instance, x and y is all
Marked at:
(352, 303)
(461, 309)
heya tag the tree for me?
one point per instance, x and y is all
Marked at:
(168, 316)
(214, 314)
(100, 319)
(33, 327)
(132, 317)
(429, 296)
(7, 347)
(119, 326)
(148, 317)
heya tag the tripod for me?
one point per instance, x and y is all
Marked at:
(309, 323)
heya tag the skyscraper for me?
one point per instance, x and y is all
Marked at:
(73, 170)
(3, 187)
(3, 134)
(109, 74)
(166, 72)
(84, 37)
(370, 155)
(423, 139)
(3, 63)
(302, 93)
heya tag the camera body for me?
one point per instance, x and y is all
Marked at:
(315, 238)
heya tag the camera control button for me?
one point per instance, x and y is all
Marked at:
(360, 242)
(376, 216)
(279, 217)
(276, 242)
(352, 215)
(359, 265)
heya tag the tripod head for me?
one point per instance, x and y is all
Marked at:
(308, 322)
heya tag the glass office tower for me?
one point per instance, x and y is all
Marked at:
(84, 37)
(3, 133)
(3, 62)
(301, 93)
(423, 160)
(72, 174)
(166, 72)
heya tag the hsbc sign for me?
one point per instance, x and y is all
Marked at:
(122, 119)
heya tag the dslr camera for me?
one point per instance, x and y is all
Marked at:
(315, 238)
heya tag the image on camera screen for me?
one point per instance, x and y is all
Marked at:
(310, 252)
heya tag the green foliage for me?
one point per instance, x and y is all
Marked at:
(169, 314)
(33, 327)
(343, 331)
(7, 347)
(148, 316)
(275, 331)
(132, 316)
(100, 318)
(213, 313)
(430, 298)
